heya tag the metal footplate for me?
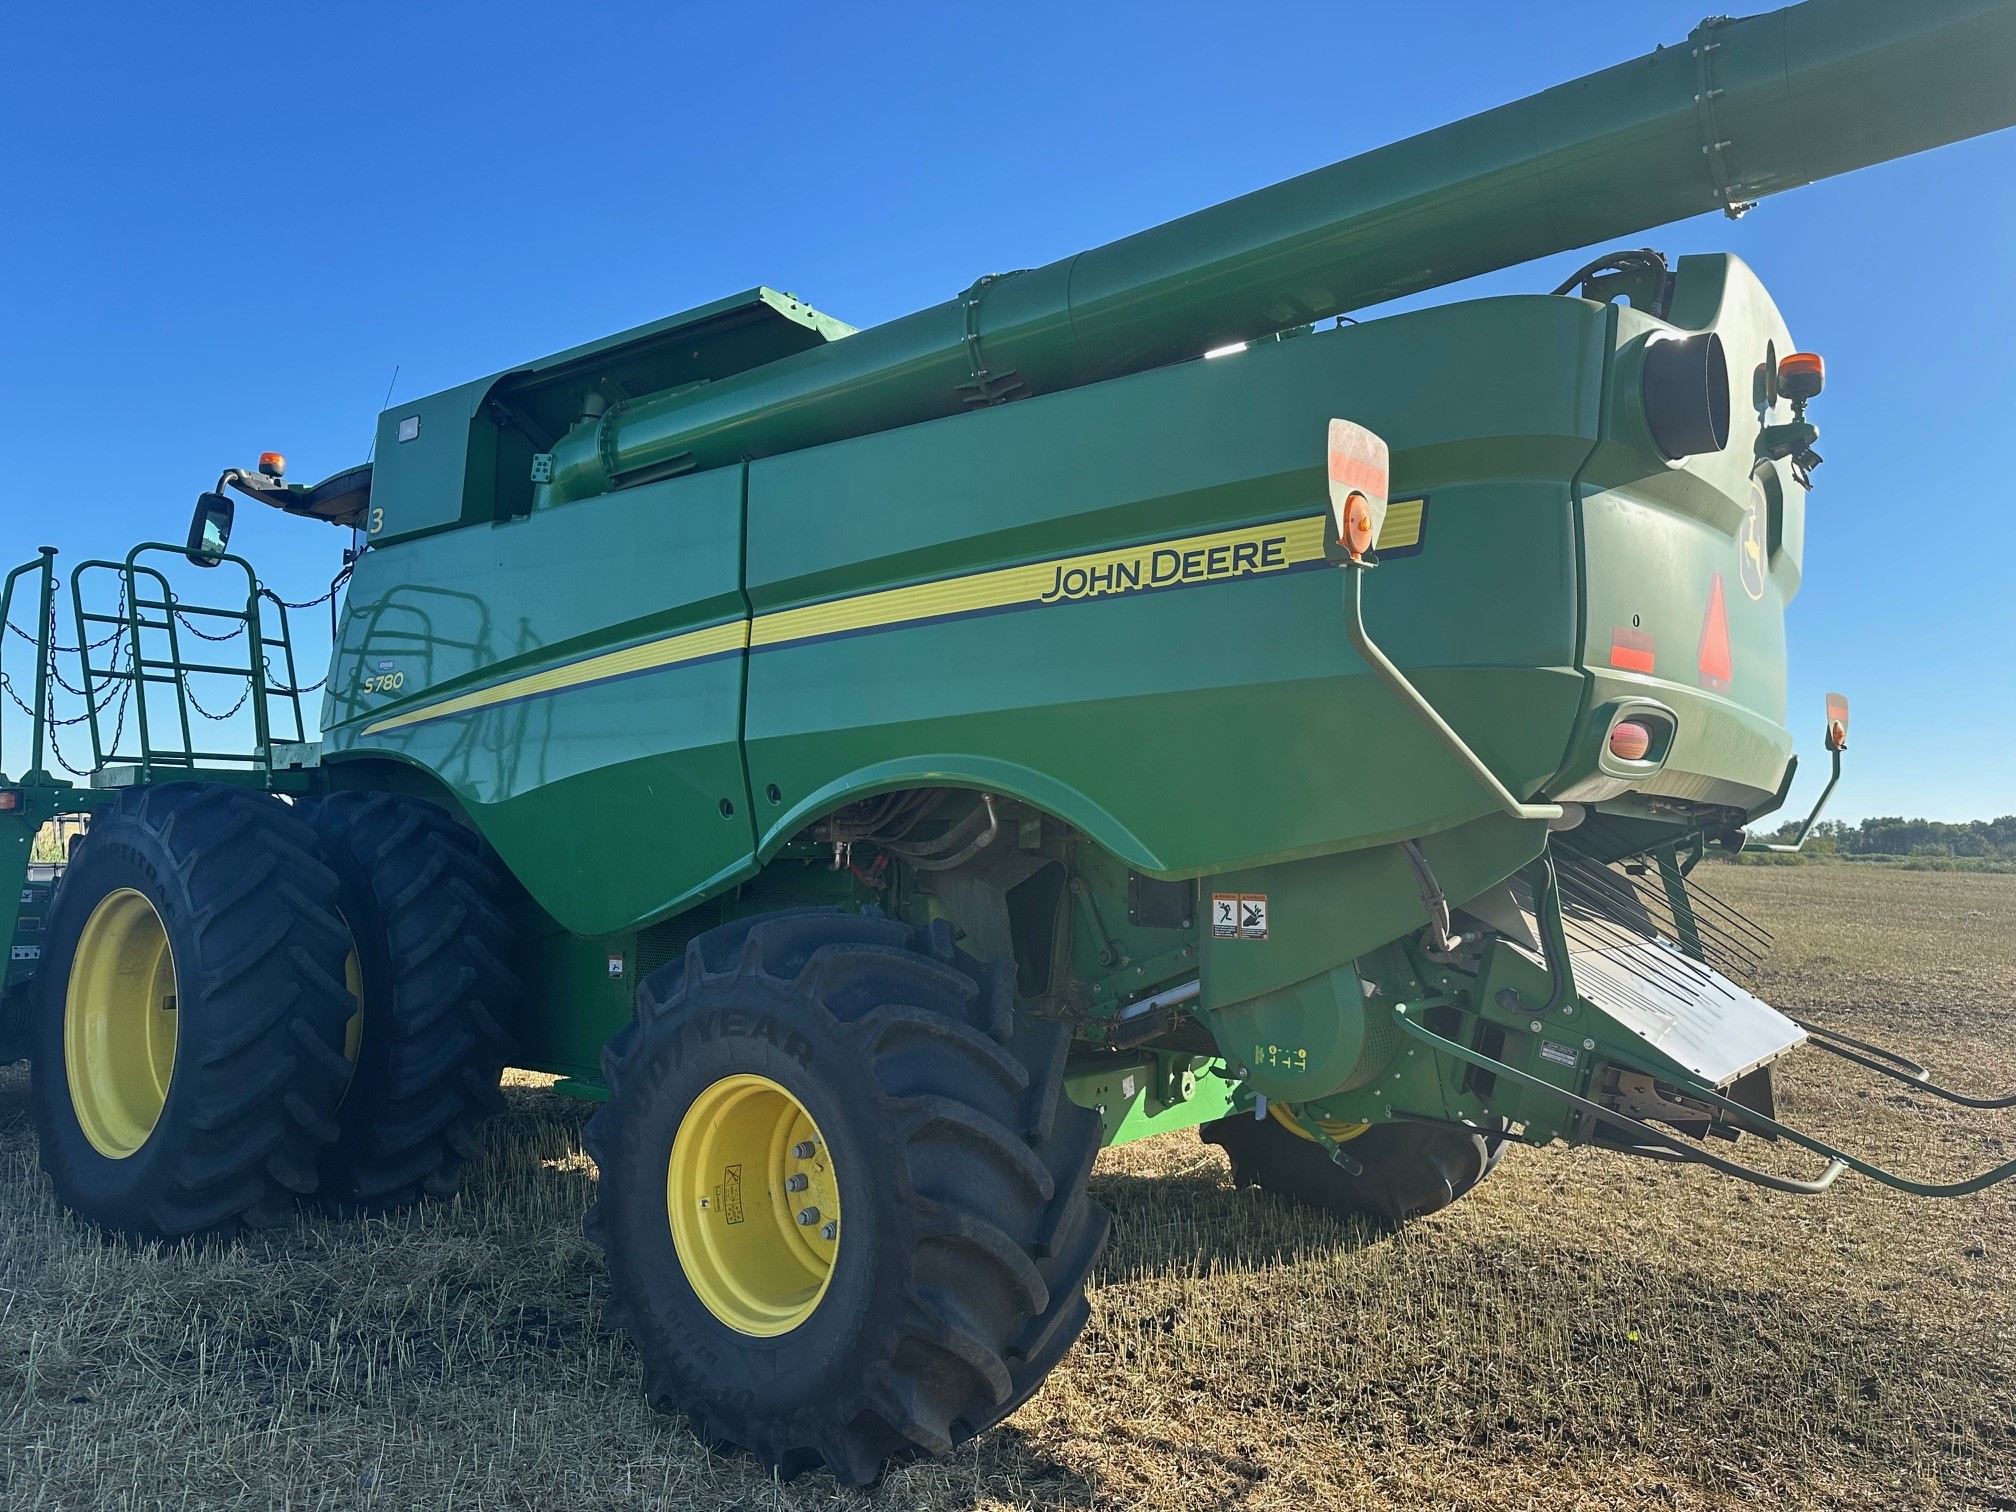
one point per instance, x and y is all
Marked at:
(1687, 1012)
(1672, 1043)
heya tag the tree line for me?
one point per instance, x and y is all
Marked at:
(1982, 839)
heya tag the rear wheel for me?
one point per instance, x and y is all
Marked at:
(1407, 1169)
(189, 1014)
(842, 1194)
(423, 899)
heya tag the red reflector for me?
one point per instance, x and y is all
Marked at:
(1632, 650)
(1630, 741)
(9, 800)
(1714, 660)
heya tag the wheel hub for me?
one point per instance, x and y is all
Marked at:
(119, 1023)
(754, 1205)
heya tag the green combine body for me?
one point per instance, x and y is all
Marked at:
(887, 765)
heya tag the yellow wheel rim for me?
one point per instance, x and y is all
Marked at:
(754, 1205)
(119, 1023)
(1337, 1131)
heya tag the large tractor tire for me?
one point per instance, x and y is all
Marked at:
(424, 899)
(189, 1015)
(1406, 1170)
(842, 1191)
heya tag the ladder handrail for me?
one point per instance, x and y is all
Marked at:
(45, 566)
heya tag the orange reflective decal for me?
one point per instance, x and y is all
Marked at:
(1632, 650)
(1714, 660)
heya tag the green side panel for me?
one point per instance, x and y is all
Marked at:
(425, 483)
(577, 993)
(1327, 910)
(1140, 1094)
(18, 901)
(1208, 726)
(1664, 548)
(613, 791)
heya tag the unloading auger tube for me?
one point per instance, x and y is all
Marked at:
(1739, 110)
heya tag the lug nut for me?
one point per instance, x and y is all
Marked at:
(831, 1231)
(808, 1216)
(797, 1183)
(804, 1150)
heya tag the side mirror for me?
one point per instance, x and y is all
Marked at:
(210, 529)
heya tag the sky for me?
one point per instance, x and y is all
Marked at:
(224, 228)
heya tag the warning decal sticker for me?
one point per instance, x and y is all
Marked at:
(1239, 916)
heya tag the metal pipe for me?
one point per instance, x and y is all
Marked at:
(1440, 728)
(1742, 109)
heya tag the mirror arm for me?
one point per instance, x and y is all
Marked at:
(1798, 841)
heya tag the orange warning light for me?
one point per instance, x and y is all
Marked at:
(273, 464)
(1357, 533)
(1801, 376)
(1357, 467)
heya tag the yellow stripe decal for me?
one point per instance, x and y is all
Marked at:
(1402, 528)
(1216, 556)
(648, 657)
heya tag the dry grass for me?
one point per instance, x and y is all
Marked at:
(1584, 1331)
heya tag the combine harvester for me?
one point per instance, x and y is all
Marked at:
(890, 765)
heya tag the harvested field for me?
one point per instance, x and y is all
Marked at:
(1584, 1331)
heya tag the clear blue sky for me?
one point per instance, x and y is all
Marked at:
(225, 225)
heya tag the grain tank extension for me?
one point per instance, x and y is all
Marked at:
(886, 766)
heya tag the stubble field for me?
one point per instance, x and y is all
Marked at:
(1583, 1331)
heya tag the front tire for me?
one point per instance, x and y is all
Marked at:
(821, 1058)
(189, 1015)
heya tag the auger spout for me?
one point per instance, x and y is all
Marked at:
(1739, 110)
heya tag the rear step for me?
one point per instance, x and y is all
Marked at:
(1675, 1039)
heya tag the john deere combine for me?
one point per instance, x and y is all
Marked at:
(889, 765)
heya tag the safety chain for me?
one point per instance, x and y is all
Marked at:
(111, 635)
(335, 586)
(190, 693)
(183, 616)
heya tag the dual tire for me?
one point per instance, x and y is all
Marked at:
(242, 1004)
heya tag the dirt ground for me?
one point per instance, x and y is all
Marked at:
(1583, 1331)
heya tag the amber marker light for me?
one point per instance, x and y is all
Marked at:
(1630, 740)
(1357, 467)
(1801, 376)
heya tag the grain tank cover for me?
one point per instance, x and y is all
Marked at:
(465, 456)
(699, 345)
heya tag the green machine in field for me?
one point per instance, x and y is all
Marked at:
(888, 765)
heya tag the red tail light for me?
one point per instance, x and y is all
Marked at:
(1630, 740)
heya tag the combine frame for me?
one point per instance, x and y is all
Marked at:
(884, 767)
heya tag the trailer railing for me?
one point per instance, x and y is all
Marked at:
(43, 570)
(156, 642)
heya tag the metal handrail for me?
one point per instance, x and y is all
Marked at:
(45, 566)
(1440, 728)
(144, 667)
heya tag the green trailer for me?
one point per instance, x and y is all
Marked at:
(886, 766)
